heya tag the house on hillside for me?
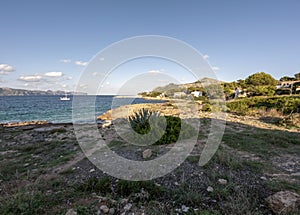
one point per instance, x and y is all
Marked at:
(288, 87)
(286, 84)
(197, 93)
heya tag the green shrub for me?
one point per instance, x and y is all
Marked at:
(174, 127)
(261, 90)
(139, 121)
(283, 104)
(260, 79)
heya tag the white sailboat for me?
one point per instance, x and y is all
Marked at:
(65, 98)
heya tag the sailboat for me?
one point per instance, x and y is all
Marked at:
(65, 98)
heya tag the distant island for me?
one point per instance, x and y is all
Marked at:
(5, 91)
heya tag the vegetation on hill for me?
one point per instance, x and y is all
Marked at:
(257, 84)
(284, 105)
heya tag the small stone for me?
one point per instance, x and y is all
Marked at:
(71, 212)
(222, 181)
(92, 170)
(124, 201)
(176, 183)
(147, 153)
(263, 178)
(210, 189)
(184, 208)
(111, 211)
(104, 208)
(283, 202)
(127, 207)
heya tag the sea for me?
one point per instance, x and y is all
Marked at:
(53, 110)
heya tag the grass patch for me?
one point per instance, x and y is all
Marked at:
(58, 130)
(193, 158)
(116, 144)
(186, 196)
(279, 185)
(263, 142)
(63, 158)
(38, 198)
(102, 185)
(127, 188)
(254, 166)
(226, 159)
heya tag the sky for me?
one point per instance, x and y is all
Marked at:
(48, 44)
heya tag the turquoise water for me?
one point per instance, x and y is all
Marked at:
(51, 109)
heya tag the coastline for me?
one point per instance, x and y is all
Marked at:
(46, 156)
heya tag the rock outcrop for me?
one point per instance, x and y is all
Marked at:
(173, 108)
(284, 202)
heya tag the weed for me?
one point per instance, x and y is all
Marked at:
(126, 188)
(102, 185)
(58, 130)
(279, 185)
(193, 158)
(116, 143)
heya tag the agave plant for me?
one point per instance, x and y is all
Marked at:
(139, 121)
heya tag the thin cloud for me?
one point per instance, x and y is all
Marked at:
(31, 78)
(215, 68)
(205, 57)
(65, 61)
(81, 63)
(154, 72)
(54, 74)
(5, 69)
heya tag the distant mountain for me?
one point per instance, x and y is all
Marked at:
(5, 91)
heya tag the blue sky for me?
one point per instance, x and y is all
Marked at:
(46, 44)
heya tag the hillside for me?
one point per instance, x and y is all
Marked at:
(5, 91)
(179, 87)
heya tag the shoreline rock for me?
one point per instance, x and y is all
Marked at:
(15, 124)
(169, 108)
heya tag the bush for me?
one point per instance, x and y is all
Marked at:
(139, 121)
(174, 126)
(260, 79)
(285, 105)
(261, 90)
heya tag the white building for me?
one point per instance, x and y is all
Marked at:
(197, 93)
